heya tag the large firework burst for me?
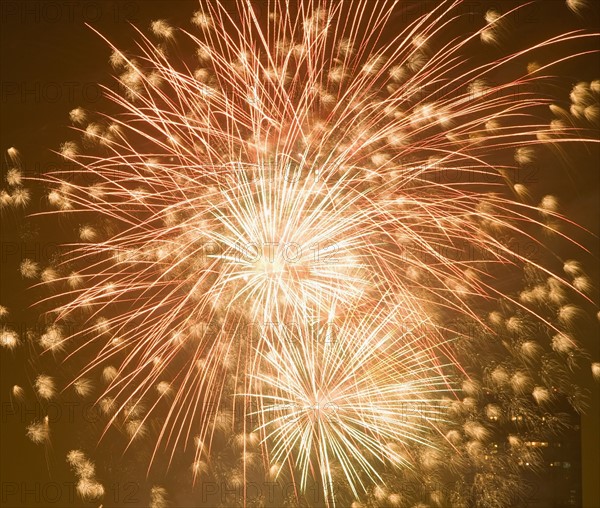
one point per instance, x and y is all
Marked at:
(285, 238)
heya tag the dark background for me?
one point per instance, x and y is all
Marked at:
(52, 62)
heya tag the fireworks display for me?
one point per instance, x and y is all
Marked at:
(308, 268)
